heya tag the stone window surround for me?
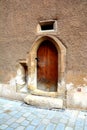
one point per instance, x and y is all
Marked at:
(32, 64)
(54, 22)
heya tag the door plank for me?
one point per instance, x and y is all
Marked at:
(47, 65)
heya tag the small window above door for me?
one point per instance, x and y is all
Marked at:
(47, 26)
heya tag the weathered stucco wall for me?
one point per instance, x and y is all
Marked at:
(18, 31)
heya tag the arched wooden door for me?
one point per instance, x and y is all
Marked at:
(47, 66)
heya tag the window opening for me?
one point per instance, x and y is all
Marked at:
(47, 26)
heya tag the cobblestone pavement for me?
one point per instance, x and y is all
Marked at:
(15, 115)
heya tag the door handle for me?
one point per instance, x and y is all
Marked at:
(37, 59)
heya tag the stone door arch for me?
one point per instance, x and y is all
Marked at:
(32, 62)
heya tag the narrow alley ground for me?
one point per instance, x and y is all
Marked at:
(16, 115)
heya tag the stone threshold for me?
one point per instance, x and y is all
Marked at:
(44, 102)
(38, 92)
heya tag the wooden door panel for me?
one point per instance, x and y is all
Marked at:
(47, 65)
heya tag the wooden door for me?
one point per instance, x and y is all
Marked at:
(47, 66)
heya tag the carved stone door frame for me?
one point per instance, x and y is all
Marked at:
(32, 63)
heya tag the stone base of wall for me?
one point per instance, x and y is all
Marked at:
(10, 92)
(75, 97)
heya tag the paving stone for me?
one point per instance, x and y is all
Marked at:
(1, 110)
(86, 121)
(3, 127)
(50, 126)
(45, 121)
(10, 121)
(81, 115)
(60, 126)
(36, 122)
(79, 123)
(78, 128)
(55, 120)
(20, 120)
(20, 128)
(65, 117)
(1, 122)
(41, 115)
(18, 115)
(59, 114)
(14, 125)
(85, 128)
(2, 115)
(43, 111)
(24, 111)
(13, 113)
(63, 121)
(25, 123)
(27, 114)
(31, 109)
(71, 124)
(41, 127)
(49, 116)
(69, 128)
(30, 128)
(7, 117)
(31, 117)
(9, 128)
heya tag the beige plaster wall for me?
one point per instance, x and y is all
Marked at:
(18, 31)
